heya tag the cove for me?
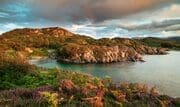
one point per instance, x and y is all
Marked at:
(161, 71)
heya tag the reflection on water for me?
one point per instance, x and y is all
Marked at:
(162, 71)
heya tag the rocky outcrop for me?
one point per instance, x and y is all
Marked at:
(142, 49)
(98, 54)
(74, 53)
(56, 32)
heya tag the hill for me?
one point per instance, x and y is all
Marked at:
(73, 48)
(171, 42)
(176, 39)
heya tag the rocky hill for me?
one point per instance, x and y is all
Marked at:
(74, 48)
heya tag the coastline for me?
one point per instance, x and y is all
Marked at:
(124, 71)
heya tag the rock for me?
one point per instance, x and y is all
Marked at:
(142, 49)
(29, 50)
(154, 91)
(161, 51)
(99, 54)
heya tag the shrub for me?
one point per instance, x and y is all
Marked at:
(18, 73)
(166, 45)
(51, 98)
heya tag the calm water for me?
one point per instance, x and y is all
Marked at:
(162, 71)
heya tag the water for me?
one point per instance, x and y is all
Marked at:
(162, 71)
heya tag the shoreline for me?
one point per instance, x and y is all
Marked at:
(89, 68)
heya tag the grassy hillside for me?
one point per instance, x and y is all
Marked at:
(176, 39)
(171, 43)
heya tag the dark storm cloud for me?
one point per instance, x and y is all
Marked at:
(76, 10)
(93, 10)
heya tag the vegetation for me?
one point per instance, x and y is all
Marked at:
(162, 42)
(25, 85)
(18, 73)
(22, 84)
(62, 88)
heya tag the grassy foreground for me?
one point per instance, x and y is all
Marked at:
(26, 85)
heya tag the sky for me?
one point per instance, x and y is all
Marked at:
(96, 18)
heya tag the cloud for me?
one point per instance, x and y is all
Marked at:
(100, 18)
(9, 26)
(153, 25)
(12, 26)
(93, 10)
(1, 32)
(173, 28)
(168, 12)
(74, 11)
(171, 33)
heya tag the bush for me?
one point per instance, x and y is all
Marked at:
(12, 70)
(166, 45)
(40, 79)
(18, 73)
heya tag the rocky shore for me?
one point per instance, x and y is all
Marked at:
(104, 54)
(101, 54)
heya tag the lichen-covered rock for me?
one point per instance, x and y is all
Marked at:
(97, 54)
(142, 49)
